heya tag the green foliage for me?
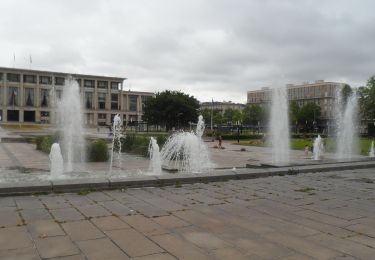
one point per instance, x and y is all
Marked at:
(217, 117)
(46, 144)
(161, 139)
(309, 112)
(294, 111)
(97, 151)
(242, 137)
(232, 116)
(206, 113)
(172, 109)
(252, 114)
(138, 143)
(346, 92)
(38, 142)
(237, 116)
(367, 99)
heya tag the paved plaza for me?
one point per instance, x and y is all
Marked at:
(306, 216)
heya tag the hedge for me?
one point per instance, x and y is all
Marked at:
(138, 144)
(44, 143)
(97, 151)
(241, 137)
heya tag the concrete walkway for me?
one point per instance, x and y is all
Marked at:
(307, 216)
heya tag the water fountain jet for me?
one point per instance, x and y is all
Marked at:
(70, 122)
(56, 162)
(185, 151)
(318, 148)
(116, 140)
(372, 152)
(279, 126)
(347, 140)
(155, 157)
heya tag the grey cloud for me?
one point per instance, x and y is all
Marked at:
(210, 48)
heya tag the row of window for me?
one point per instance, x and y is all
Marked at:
(30, 116)
(29, 99)
(59, 81)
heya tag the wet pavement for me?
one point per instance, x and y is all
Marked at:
(306, 216)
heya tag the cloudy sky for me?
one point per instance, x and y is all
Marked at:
(208, 48)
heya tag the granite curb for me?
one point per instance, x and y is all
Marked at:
(77, 185)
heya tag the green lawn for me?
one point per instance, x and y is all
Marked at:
(300, 143)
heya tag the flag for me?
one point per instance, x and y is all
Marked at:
(31, 60)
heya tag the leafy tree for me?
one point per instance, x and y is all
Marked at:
(206, 113)
(294, 111)
(237, 116)
(228, 115)
(217, 117)
(346, 92)
(367, 99)
(252, 114)
(171, 109)
(309, 112)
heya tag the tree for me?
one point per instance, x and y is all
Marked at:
(217, 117)
(237, 116)
(346, 92)
(171, 109)
(228, 115)
(206, 113)
(252, 114)
(294, 111)
(309, 112)
(367, 99)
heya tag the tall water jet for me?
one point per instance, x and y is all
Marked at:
(200, 127)
(56, 162)
(347, 137)
(70, 122)
(318, 148)
(372, 152)
(155, 157)
(279, 126)
(116, 140)
(186, 151)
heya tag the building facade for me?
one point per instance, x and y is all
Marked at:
(222, 106)
(320, 92)
(27, 96)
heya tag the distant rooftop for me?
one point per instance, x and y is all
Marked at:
(19, 70)
(290, 85)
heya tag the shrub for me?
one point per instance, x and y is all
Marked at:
(241, 137)
(161, 139)
(38, 142)
(138, 144)
(45, 145)
(97, 151)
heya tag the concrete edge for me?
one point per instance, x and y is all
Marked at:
(77, 185)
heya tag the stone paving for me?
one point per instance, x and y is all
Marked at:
(306, 216)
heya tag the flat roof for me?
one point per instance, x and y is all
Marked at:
(291, 86)
(31, 71)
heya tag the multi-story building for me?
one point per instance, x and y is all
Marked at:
(222, 106)
(320, 92)
(26, 96)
